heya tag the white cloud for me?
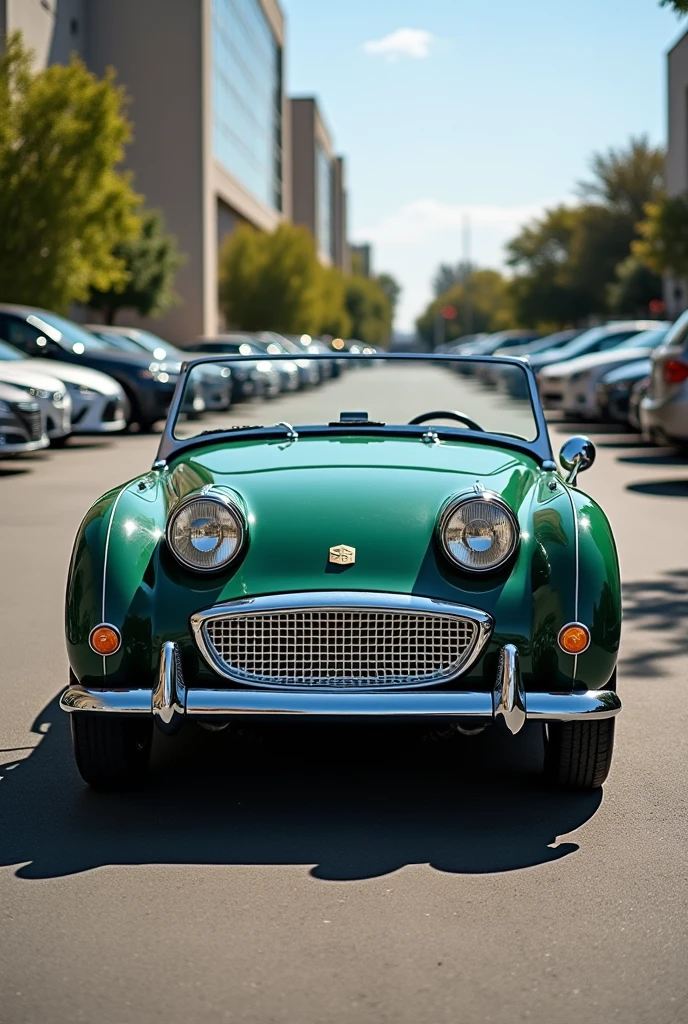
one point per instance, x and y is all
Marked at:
(405, 42)
(413, 241)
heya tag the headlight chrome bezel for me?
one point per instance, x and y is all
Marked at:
(449, 510)
(229, 505)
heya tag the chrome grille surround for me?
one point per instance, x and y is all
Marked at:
(340, 640)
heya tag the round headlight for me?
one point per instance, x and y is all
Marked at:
(479, 533)
(205, 532)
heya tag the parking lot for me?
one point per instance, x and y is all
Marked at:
(335, 875)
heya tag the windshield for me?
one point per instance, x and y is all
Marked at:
(66, 333)
(160, 348)
(596, 337)
(646, 339)
(8, 353)
(120, 342)
(390, 391)
(243, 348)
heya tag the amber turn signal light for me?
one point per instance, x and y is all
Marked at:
(574, 638)
(105, 639)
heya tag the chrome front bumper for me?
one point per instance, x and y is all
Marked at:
(509, 704)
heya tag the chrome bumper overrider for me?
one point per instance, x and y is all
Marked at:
(170, 702)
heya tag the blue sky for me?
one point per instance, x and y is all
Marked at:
(489, 108)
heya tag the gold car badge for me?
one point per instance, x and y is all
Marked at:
(343, 555)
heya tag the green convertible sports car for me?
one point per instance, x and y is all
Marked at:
(441, 568)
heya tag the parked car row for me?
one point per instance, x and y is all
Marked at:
(633, 372)
(59, 378)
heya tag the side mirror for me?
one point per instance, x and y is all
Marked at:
(576, 455)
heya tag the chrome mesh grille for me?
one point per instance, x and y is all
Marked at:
(340, 647)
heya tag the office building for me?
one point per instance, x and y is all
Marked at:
(319, 199)
(676, 291)
(211, 142)
(362, 259)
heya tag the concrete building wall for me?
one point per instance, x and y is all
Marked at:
(676, 292)
(303, 162)
(677, 151)
(310, 139)
(156, 48)
(53, 29)
(341, 253)
(363, 255)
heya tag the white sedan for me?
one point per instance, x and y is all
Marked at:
(97, 402)
(572, 385)
(45, 389)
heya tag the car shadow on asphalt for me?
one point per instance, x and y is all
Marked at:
(348, 802)
(659, 609)
(661, 488)
(659, 457)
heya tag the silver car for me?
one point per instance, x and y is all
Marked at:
(22, 424)
(98, 403)
(664, 409)
(45, 388)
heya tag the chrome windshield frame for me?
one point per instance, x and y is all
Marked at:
(540, 448)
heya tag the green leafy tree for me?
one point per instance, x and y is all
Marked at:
(449, 274)
(680, 6)
(369, 310)
(601, 240)
(624, 180)
(151, 262)
(663, 242)
(333, 318)
(392, 290)
(540, 255)
(482, 302)
(63, 204)
(566, 261)
(635, 287)
(271, 281)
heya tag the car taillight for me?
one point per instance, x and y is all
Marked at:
(675, 372)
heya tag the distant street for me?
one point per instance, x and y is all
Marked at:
(359, 876)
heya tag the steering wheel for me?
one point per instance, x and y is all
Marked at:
(446, 414)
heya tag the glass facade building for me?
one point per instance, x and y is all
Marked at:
(247, 98)
(323, 198)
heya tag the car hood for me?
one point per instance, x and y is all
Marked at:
(304, 497)
(8, 393)
(610, 358)
(23, 373)
(80, 375)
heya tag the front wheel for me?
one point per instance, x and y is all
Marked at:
(111, 751)
(578, 755)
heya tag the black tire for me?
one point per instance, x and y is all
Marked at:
(60, 442)
(146, 426)
(111, 751)
(578, 755)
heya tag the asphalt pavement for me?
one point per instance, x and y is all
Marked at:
(343, 876)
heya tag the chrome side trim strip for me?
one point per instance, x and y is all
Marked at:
(338, 600)
(168, 701)
(129, 702)
(510, 697)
